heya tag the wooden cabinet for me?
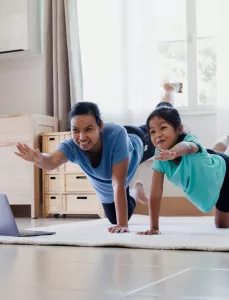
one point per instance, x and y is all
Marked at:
(66, 190)
(21, 180)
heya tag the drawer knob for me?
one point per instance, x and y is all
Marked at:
(81, 197)
(81, 177)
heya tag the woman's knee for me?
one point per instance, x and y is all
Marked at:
(112, 220)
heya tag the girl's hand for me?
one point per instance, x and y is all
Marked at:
(165, 155)
(149, 232)
(118, 229)
(28, 153)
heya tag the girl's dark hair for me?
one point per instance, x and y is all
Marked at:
(168, 113)
(85, 108)
(164, 104)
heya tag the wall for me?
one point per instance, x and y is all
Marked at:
(21, 73)
(22, 86)
(13, 16)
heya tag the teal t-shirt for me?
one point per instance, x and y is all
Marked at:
(199, 175)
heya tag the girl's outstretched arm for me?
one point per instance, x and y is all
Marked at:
(180, 149)
(184, 148)
(155, 203)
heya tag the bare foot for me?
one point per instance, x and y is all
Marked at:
(170, 90)
(175, 87)
(221, 145)
(139, 193)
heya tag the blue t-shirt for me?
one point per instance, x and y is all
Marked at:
(117, 146)
(200, 175)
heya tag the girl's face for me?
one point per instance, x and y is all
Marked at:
(86, 133)
(163, 135)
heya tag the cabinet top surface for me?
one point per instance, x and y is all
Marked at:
(25, 115)
(56, 133)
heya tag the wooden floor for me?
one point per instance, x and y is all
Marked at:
(41, 272)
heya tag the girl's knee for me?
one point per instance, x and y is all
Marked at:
(221, 224)
(221, 218)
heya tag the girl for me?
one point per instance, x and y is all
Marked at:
(202, 174)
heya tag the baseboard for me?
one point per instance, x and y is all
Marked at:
(174, 206)
(170, 206)
(21, 211)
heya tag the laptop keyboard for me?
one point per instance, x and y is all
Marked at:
(25, 233)
(28, 233)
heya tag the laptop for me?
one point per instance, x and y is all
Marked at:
(8, 226)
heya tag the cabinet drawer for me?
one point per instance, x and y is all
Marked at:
(49, 143)
(81, 204)
(64, 137)
(77, 183)
(53, 183)
(73, 168)
(52, 204)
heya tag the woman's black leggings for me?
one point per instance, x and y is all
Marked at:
(149, 149)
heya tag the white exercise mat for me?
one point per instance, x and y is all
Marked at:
(183, 233)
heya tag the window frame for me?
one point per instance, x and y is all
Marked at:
(192, 60)
(192, 63)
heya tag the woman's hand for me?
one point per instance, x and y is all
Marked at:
(165, 155)
(118, 229)
(149, 232)
(28, 153)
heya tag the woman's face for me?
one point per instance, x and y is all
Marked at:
(163, 135)
(86, 133)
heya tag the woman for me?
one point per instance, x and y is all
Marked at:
(108, 153)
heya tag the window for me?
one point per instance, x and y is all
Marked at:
(187, 36)
(207, 31)
(129, 48)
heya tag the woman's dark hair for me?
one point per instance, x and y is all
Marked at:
(85, 108)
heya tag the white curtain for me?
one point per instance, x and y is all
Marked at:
(119, 58)
(74, 55)
(223, 71)
(63, 75)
